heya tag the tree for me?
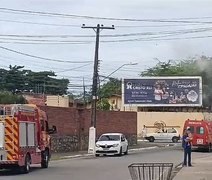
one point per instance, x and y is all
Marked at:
(103, 104)
(17, 79)
(9, 98)
(113, 86)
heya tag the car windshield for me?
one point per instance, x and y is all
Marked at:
(109, 138)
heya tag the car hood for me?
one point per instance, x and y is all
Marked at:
(107, 142)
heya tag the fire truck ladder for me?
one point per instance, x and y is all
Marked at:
(11, 137)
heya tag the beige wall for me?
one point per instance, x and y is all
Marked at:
(129, 108)
(58, 101)
(115, 102)
(170, 119)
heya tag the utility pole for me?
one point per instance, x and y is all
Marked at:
(92, 132)
(83, 81)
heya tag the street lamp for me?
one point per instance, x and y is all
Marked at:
(127, 64)
(92, 130)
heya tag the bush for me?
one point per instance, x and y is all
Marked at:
(9, 98)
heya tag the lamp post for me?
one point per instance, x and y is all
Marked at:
(126, 64)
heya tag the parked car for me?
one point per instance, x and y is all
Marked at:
(111, 143)
(169, 134)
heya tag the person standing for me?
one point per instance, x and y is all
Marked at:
(144, 132)
(186, 144)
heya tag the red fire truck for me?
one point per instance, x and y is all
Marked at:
(202, 133)
(24, 137)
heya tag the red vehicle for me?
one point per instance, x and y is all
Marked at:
(24, 137)
(202, 133)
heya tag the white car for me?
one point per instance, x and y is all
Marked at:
(169, 134)
(111, 143)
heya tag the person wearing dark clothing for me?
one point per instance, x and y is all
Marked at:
(186, 144)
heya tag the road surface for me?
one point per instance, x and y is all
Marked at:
(101, 168)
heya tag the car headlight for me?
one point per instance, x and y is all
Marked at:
(97, 145)
(115, 145)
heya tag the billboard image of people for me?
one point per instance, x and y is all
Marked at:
(163, 91)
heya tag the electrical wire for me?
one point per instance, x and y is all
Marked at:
(43, 58)
(73, 68)
(78, 26)
(15, 36)
(51, 14)
(36, 23)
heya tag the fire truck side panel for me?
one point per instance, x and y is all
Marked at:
(3, 155)
(28, 143)
(9, 142)
(22, 135)
(1, 134)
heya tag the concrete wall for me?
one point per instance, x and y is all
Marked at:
(58, 101)
(169, 118)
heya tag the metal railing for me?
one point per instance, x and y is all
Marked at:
(150, 171)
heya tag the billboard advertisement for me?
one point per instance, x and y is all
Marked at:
(162, 91)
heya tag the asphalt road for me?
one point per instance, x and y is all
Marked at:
(101, 168)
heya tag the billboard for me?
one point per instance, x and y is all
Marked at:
(162, 91)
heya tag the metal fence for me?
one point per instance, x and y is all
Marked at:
(150, 171)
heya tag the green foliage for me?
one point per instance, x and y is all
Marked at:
(9, 98)
(16, 79)
(110, 88)
(198, 66)
(103, 104)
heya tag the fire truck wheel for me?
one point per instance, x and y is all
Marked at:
(45, 159)
(26, 168)
(209, 148)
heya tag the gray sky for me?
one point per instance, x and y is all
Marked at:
(148, 40)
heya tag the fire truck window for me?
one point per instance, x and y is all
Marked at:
(200, 130)
(191, 128)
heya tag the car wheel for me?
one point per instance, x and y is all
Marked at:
(126, 152)
(26, 168)
(174, 139)
(151, 139)
(97, 155)
(120, 152)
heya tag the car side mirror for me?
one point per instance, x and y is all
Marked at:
(53, 130)
(122, 140)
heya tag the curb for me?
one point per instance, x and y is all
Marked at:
(88, 155)
(130, 151)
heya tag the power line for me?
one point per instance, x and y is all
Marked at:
(44, 40)
(155, 26)
(77, 26)
(73, 68)
(43, 58)
(149, 38)
(51, 14)
(20, 37)
(36, 23)
(43, 43)
(44, 36)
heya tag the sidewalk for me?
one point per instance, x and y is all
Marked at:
(201, 169)
(139, 147)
